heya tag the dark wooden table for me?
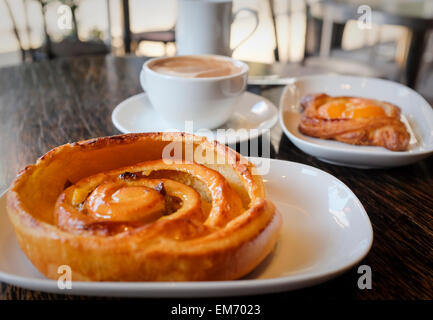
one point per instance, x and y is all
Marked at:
(46, 104)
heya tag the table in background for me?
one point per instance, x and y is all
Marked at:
(417, 16)
(46, 104)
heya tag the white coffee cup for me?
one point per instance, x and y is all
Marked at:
(203, 27)
(208, 102)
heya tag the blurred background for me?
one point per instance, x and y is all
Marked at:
(396, 44)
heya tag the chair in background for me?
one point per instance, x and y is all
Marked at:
(323, 44)
(69, 46)
(415, 16)
(27, 51)
(72, 45)
(314, 28)
(132, 40)
(274, 25)
(425, 85)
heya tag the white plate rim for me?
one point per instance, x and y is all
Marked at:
(270, 123)
(378, 152)
(204, 288)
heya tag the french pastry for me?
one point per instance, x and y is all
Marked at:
(143, 207)
(354, 120)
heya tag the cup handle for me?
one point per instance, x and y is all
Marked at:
(142, 80)
(256, 17)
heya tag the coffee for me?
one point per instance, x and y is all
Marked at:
(195, 67)
(204, 89)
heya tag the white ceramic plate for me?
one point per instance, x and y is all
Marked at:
(325, 232)
(417, 114)
(254, 113)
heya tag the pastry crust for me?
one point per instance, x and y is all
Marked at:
(374, 128)
(222, 228)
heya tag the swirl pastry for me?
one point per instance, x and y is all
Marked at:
(118, 209)
(354, 120)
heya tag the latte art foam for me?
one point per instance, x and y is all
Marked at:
(194, 67)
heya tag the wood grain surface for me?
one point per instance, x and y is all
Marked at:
(46, 104)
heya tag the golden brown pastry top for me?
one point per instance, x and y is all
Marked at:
(151, 192)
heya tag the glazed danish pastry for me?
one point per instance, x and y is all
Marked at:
(116, 209)
(354, 120)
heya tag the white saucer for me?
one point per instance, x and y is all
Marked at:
(136, 114)
(417, 114)
(325, 232)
